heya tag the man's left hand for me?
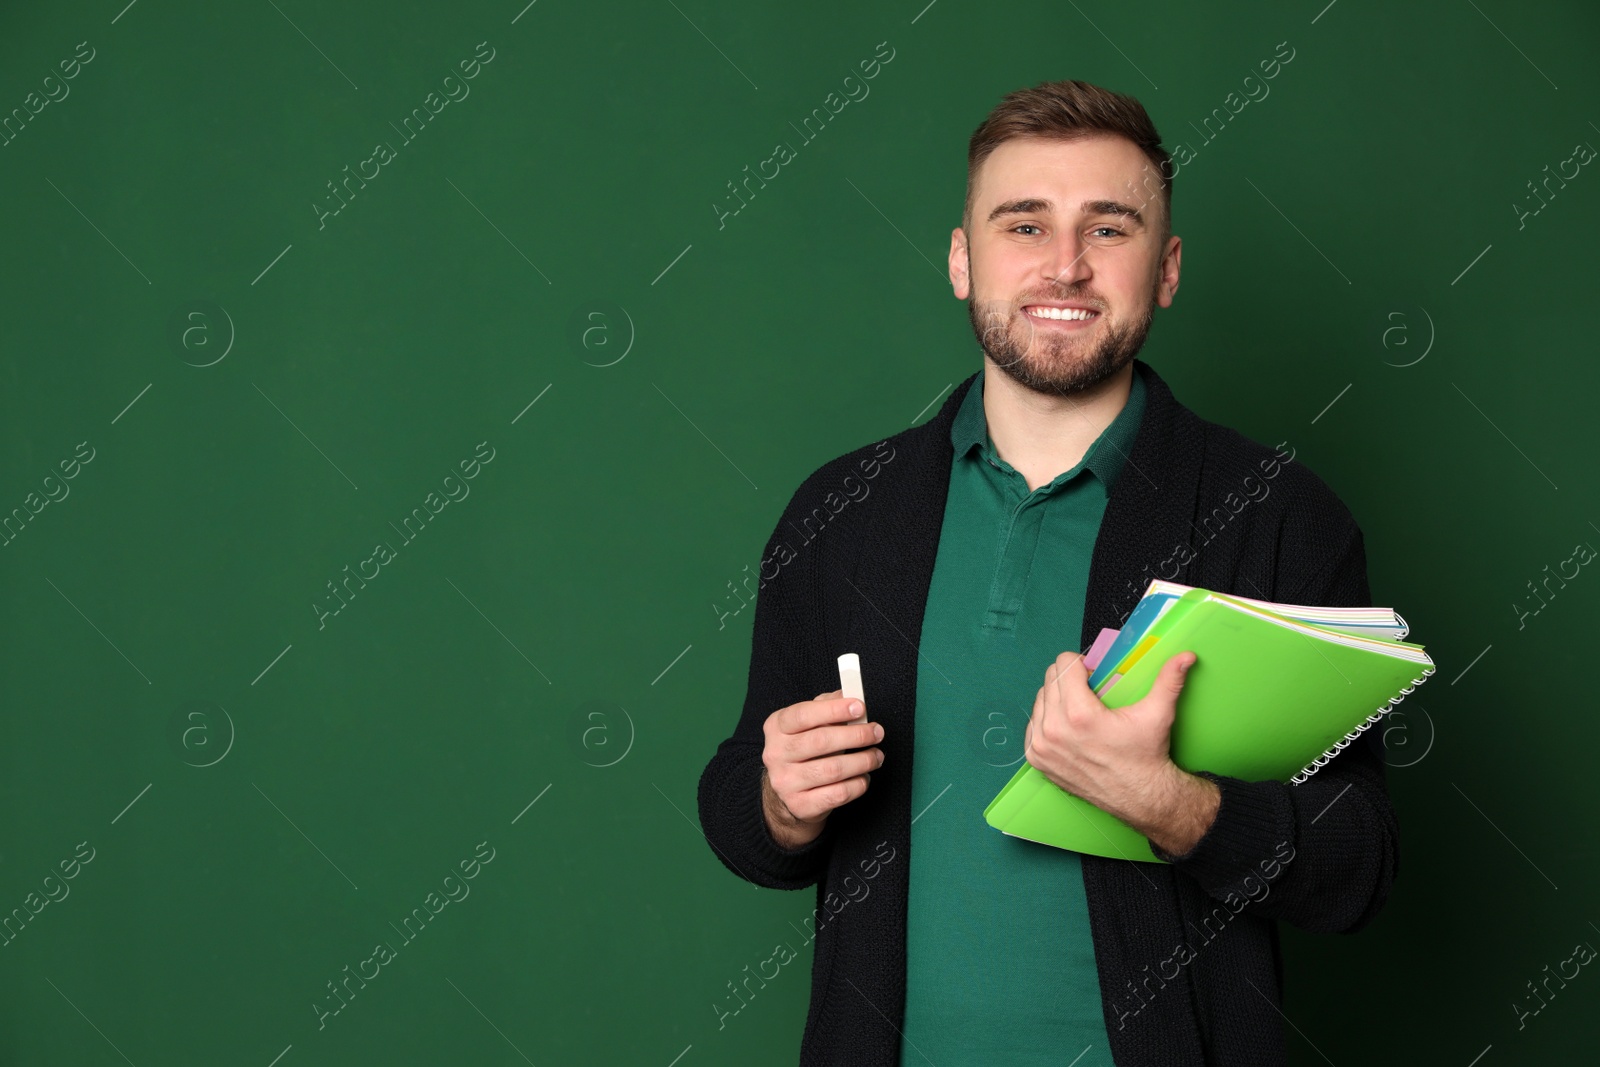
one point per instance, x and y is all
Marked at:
(1117, 758)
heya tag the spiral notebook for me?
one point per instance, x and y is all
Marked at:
(1160, 595)
(1277, 690)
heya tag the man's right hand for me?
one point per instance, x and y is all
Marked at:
(810, 769)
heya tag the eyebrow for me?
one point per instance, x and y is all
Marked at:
(1034, 205)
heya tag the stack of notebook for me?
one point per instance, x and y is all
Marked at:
(1276, 691)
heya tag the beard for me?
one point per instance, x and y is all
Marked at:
(1053, 365)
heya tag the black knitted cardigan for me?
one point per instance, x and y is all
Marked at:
(1190, 971)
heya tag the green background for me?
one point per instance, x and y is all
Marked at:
(549, 665)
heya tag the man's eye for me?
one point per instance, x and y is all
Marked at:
(1025, 226)
(1108, 229)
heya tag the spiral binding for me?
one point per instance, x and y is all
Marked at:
(1317, 764)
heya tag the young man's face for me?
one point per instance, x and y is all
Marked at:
(1049, 227)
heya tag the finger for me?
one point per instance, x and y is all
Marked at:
(1047, 706)
(796, 727)
(1174, 671)
(817, 773)
(1058, 672)
(1070, 669)
(811, 803)
(808, 714)
(827, 740)
(1071, 679)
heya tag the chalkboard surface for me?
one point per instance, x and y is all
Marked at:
(397, 398)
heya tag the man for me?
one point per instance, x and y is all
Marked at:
(999, 538)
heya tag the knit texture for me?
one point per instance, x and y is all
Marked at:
(1190, 971)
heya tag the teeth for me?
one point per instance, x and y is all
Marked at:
(1060, 313)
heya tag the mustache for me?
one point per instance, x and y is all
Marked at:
(1063, 298)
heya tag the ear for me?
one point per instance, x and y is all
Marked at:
(1167, 279)
(960, 264)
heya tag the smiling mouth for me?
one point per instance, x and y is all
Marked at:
(1055, 314)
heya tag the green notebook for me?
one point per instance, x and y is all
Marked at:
(1268, 698)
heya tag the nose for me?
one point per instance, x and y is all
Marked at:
(1066, 261)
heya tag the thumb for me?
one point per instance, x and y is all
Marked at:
(1174, 672)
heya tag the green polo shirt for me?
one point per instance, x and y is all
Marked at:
(999, 960)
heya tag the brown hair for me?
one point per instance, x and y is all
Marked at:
(1069, 111)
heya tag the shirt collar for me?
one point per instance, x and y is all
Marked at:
(1106, 456)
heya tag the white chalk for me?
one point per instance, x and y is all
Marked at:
(850, 681)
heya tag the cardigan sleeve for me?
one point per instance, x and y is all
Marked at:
(1323, 854)
(787, 624)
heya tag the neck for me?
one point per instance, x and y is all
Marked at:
(1043, 436)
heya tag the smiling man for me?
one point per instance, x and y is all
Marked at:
(1004, 533)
